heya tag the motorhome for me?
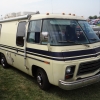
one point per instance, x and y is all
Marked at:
(57, 49)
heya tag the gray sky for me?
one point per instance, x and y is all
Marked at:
(79, 7)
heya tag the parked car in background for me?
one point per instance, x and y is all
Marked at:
(94, 22)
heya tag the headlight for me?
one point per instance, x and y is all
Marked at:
(69, 72)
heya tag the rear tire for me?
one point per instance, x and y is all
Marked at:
(42, 79)
(3, 61)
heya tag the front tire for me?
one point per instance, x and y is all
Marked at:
(3, 61)
(42, 79)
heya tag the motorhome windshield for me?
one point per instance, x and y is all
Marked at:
(66, 32)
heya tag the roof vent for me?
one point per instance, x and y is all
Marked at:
(26, 13)
(12, 15)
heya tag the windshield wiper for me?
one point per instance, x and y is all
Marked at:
(93, 39)
(73, 42)
(66, 42)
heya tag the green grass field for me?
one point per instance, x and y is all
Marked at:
(16, 85)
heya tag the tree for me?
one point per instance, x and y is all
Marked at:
(90, 17)
(95, 17)
(99, 17)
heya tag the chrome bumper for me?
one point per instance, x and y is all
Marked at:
(79, 83)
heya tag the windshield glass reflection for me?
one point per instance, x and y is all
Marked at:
(63, 32)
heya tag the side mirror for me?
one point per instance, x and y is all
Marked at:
(45, 34)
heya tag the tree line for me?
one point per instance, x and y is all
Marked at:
(94, 17)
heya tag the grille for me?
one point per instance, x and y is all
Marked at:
(88, 67)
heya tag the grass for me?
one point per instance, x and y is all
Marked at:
(98, 25)
(16, 85)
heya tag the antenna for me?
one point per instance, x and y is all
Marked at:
(52, 6)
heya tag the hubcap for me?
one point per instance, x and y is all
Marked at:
(2, 62)
(39, 79)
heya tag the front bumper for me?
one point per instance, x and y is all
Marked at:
(79, 83)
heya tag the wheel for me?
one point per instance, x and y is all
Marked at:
(3, 61)
(42, 79)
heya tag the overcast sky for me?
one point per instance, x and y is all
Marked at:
(79, 7)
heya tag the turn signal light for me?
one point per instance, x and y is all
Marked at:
(73, 14)
(63, 13)
(67, 76)
(47, 13)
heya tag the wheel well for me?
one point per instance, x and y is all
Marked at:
(34, 70)
(0, 57)
(0, 54)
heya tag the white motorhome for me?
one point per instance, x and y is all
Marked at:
(57, 49)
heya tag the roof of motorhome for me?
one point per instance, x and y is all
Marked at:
(44, 16)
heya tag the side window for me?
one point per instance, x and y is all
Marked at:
(0, 28)
(20, 34)
(34, 31)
